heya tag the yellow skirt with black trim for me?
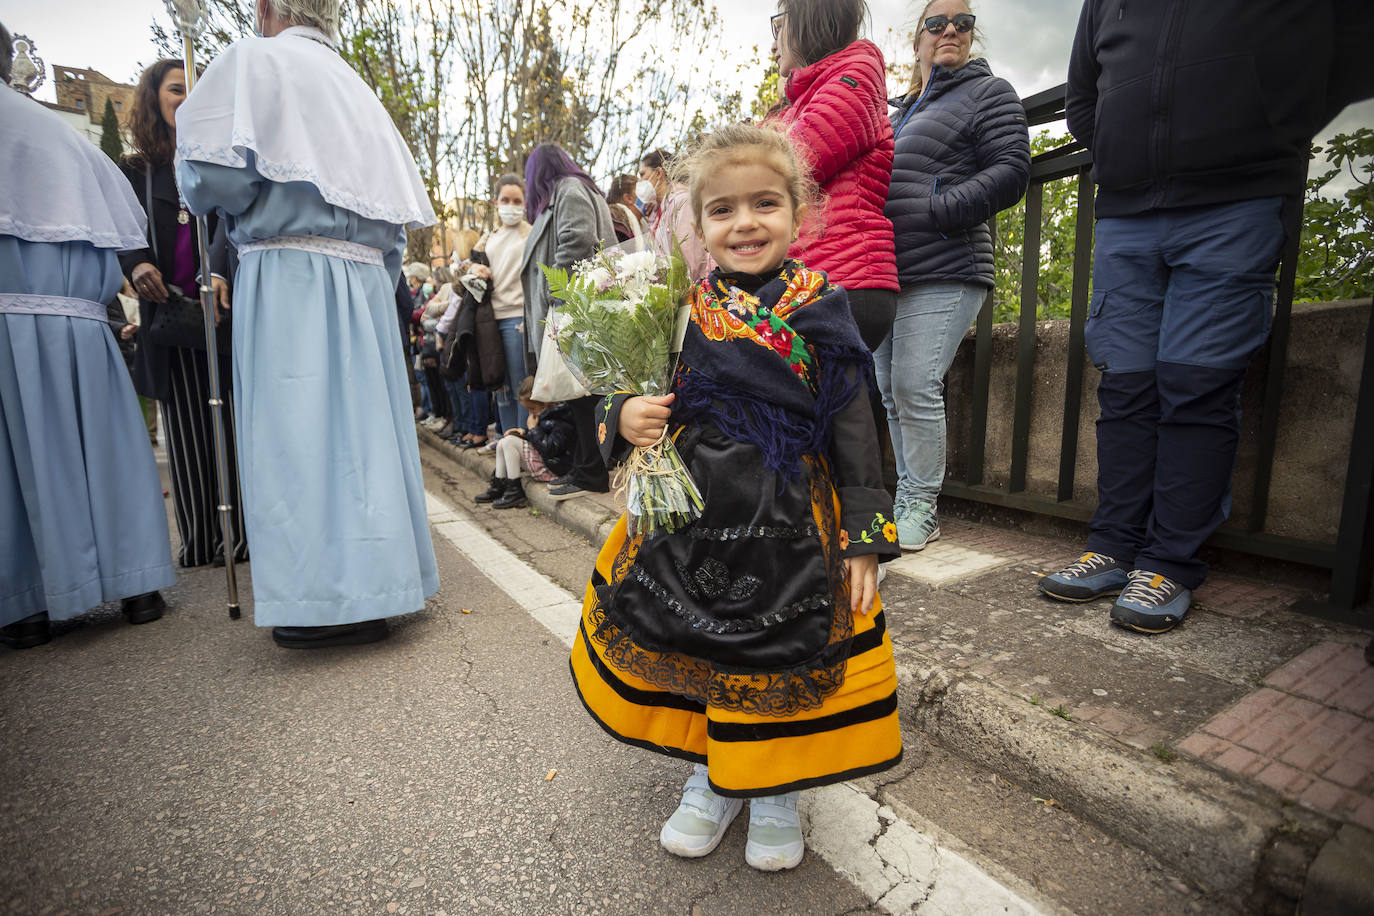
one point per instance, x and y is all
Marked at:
(854, 731)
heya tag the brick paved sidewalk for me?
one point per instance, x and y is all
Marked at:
(1304, 727)
(1308, 733)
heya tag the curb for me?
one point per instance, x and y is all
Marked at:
(1232, 840)
(1238, 841)
(583, 516)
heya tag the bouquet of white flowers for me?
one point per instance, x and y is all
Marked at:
(619, 328)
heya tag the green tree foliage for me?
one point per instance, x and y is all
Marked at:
(1338, 230)
(404, 52)
(474, 85)
(1057, 227)
(607, 79)
(110, 141)
(768, 95)
(1336, 259)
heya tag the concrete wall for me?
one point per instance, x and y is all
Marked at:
(1317, 417)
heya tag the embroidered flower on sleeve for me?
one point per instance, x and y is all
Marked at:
(880, 525)
(601, 437)
(844, 539)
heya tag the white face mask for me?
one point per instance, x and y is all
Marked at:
(510, 215)
(645, 192)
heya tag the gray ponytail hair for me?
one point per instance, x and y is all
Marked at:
(322, 14)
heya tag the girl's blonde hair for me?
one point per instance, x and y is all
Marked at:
(917, 86)
(745, 144)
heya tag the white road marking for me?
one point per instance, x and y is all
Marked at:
(545, 600)
(895, 865)
(898, 867)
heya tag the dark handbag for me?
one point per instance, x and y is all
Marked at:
(180, 321)
(453, 364)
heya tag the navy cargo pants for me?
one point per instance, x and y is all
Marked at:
(1181, 300)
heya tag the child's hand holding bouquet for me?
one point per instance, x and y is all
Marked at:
(619, 330)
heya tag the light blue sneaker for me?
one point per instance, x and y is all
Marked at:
(1094, 575)
(701, 819)
(775, 838)
(1151, 603)
(917, 525)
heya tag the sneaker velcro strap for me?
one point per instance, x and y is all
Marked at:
(767, 813)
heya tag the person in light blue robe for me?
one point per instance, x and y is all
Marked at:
(317, 188)
(82, 519)
(329, 464)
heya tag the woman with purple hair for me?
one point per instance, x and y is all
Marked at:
(570, 218)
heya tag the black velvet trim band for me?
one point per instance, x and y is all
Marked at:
(634, 742)
(868, 640)
(795, 728)
(635, 695)
(812, 783)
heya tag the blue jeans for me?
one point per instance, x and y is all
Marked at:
(1181, 300)
(479, 412)
(425, 404)
(511, 412)
(458, 403)
(911, 365)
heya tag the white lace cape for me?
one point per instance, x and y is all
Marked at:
(307, 117)
(57, 186)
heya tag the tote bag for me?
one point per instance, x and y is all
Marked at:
(554, 382)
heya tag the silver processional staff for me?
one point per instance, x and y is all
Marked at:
(190, 19)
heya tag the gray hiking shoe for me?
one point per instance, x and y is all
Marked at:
(1094, 575)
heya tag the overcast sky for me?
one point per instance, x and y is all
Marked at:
(1026, 42)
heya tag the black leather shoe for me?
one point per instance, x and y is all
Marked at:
(144, 608)
(27, 633)
(513, 496)
(493, 491)
(344, 634)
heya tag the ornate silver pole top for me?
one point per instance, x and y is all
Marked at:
(28, 71)
(188, 16)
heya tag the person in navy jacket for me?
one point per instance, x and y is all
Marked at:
(1200, 125)
(962, 154)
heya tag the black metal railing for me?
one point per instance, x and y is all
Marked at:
(1350, 558)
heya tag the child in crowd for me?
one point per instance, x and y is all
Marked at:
(752, 642)
(544, 448)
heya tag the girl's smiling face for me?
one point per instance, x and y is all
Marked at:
(747, 219)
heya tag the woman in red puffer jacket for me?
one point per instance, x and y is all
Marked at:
(835, 111)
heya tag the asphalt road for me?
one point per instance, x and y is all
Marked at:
(191, 766)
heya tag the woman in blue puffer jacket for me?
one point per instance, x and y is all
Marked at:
(962, 154)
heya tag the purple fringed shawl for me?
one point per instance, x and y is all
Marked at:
(749, 393)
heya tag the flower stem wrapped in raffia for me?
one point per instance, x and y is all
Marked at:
(619, 327)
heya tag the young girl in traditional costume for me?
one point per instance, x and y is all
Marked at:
(752, 642)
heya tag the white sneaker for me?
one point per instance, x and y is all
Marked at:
(775, 837)
(701, 819)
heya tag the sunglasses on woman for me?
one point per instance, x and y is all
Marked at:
(963, 23)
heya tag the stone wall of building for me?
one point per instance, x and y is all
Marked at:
(87, 90)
